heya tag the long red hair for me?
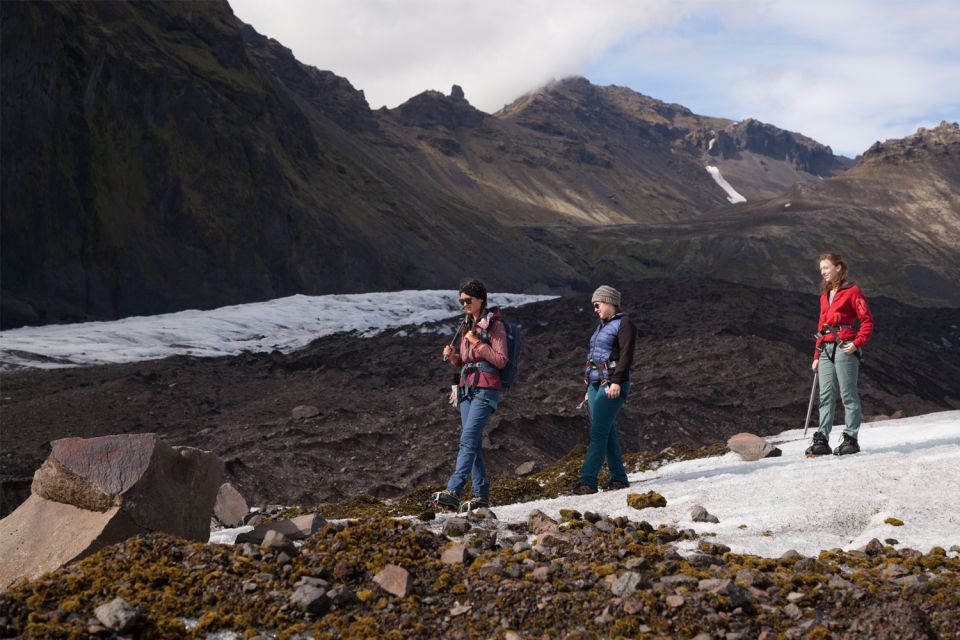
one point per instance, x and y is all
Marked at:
(837, 261)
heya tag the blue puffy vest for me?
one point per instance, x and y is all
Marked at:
(601, 346)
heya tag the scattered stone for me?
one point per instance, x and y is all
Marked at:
(626, 583)
(894, 522)
(455, 527)
(736, 595)
(455, 554)
(311, 599)
(117, 614)
(394, 580)
(538, 522)
(542, 574)
(230, 508)
(645, 500)
(459, 610)
(304, 411)
(793, 611)
(752, 447)
(570, 514)
(700, 514)
(298, 528)
(526, 468)
(279, 542)
(675, 601)
(791, 555)
(592, 517)
(638, 564)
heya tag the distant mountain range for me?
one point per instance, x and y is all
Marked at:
(161, 156)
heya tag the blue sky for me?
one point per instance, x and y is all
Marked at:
(844, 72)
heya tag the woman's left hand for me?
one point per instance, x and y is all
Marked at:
(849, 348)
(613, 391)
(471, 337)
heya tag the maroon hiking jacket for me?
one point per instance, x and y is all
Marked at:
(494, 351)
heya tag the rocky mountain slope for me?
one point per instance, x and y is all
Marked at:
(713, 359)
(158, 156)
(895, 216)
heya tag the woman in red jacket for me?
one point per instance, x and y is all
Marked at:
(837, 356)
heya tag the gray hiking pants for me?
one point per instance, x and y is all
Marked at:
(839, 378)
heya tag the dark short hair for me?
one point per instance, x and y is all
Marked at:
(474, 287)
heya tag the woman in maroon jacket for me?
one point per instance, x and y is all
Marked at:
(483, 352)
(836, 358)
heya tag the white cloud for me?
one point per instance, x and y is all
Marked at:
(845, 73)
(496, 50)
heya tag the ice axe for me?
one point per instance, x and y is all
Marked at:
(813, 389)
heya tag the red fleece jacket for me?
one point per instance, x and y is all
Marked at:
(848, 305)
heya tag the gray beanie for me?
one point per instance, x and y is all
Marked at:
(606, 294)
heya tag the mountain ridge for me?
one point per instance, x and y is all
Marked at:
(184, 160)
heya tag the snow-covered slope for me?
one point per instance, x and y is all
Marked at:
(284, 324)
(908, 469)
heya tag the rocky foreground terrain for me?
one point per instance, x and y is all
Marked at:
(713, 359)
(586, 577)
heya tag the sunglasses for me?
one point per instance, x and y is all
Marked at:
(466, 301)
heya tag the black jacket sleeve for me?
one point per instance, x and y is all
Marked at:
(623, 353)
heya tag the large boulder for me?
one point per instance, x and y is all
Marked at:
(90, 493)
(752, 447)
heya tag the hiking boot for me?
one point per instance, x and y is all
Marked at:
(446, 500)
(614, 485)
(847, 445)
(473, 504)
(820, 446)
(581, 489)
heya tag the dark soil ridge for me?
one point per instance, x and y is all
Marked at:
(713, 359)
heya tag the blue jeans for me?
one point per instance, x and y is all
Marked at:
(603, 435)
(474, 413)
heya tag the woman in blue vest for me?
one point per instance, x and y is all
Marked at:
(607, 376)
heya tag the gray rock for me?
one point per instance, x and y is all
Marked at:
(279, 542)
(304, 411)
(736, 595)
(626, 583)
(455, 527)
(297, 528)
(117, 614)
(699, 514)
(679, 581)
(230, 508)
(526, 468)
(311, 599)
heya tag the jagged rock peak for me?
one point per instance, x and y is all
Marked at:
(944, 139)
(431, 108)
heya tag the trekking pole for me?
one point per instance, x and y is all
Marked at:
(813, 389)
(454, 339)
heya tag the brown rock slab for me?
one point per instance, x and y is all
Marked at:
(230, 508)
(538, 522)
(454, 554)
(394, 580)
(751, 447)
(92, 492)
(297, 528)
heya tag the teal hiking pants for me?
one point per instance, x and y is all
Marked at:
(603, 435)
(839, 378)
